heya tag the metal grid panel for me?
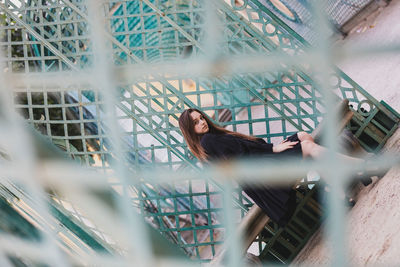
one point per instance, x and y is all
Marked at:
(48, 37)
(299, 16)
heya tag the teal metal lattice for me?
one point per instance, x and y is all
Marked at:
(50, 37)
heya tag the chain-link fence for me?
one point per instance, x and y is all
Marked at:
(106, 81)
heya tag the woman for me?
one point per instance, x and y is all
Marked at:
(208, 141)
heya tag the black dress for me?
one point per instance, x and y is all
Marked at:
(278, 202)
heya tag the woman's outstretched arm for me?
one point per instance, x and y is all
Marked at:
(284, 146)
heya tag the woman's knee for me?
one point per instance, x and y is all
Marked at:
(307, 147)
(304, 136)
(306, 143)
(311, 149)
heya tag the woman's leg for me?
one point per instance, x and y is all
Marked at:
(311, 149)
(303, 136)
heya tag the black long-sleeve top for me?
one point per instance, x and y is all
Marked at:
(225, 146)
(277, 202)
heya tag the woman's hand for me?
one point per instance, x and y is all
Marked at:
(283, 146)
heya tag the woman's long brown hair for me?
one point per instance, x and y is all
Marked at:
(192, 139)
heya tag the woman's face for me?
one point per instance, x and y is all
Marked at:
(200, 124)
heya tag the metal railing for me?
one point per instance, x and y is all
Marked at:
(108, 89)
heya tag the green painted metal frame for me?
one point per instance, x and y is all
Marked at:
(72, 115)
(282, 244)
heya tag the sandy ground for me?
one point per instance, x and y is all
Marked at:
(378, 73)
(373, 224)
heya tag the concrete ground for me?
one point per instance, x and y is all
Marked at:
(379, 73)
(373, 228)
